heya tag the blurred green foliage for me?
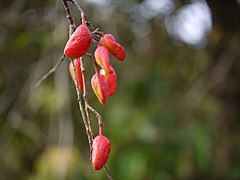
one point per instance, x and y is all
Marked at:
(175, 114)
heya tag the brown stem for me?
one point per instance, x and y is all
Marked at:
(82, 14)
(98, 116)
(52, 70)
(72, 25)
(68, 12)
(89, 121)
(90, 55)
(108, 173)
(80, 103)
(85, 98)
(95, 65)
(97, 34)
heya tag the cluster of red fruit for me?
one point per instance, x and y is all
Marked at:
(104, 81)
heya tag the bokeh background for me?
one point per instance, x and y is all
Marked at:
(176, 114)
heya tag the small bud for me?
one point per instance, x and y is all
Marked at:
(101, 148)
(108, 41)
(78, 72)
(102, 58)
(111, 80)
(100, 87)
(79, 43)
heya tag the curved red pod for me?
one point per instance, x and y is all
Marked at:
(111, 80)
(78, 72)
(102, 58)
(79, 43)
(101, 148)
(100, 87)
(108, 41)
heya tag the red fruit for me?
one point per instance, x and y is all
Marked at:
(108, 41)
(78, 72)
(102, 58)
(79, 43)
(100, 87)
(101, 148)
(110, 36)
(111, 80)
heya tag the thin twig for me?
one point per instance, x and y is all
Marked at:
(89, 55)
(80, 103)
(85, 98)
(72, 25)
(54, 68)
(108, 173)
(82, 14)
(93, 59)
(98, 116)
(72, 28)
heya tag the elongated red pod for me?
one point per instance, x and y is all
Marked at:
(79, 43)
(111, 80)
(102, 58)
(101, 148)
(113, 47)
(78, 72)
(100, 87)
